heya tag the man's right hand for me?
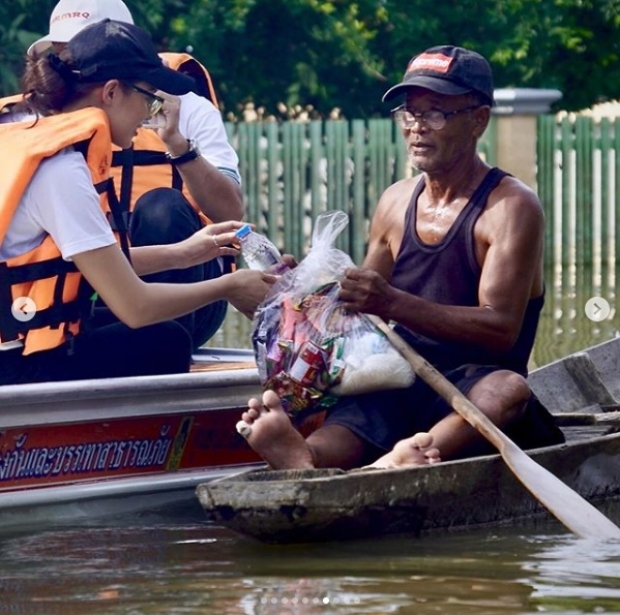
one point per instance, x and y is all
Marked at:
(365, 290)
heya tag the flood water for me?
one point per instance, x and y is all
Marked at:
(137, 568)
(199, 569)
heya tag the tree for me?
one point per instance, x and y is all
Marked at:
(17, 31)
(341, 53)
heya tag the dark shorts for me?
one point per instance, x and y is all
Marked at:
(383, 418)
(110, 350)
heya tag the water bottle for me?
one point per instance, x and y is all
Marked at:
(258, 252)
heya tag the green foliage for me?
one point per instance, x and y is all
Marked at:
(340, 53)
(17, 31)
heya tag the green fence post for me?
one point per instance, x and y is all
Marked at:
(545, 171)
(606, 227)
(566, 131)
(359, 214)
(583, 191)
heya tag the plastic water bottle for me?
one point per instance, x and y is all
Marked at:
(258, 252)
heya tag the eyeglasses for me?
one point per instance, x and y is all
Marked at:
(435, 119)
(154, 102)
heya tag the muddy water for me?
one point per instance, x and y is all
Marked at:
(197, 568)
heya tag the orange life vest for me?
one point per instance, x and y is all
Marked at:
(41, 274)
(144, 166)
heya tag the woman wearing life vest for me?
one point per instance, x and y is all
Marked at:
(174, 179)
(55, 237)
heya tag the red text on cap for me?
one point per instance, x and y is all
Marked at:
(72, 15)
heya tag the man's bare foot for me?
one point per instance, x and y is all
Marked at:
(271, 434)
(414, 451)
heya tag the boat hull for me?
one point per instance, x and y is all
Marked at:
(318, 505)
(299, 506)
(90, 450)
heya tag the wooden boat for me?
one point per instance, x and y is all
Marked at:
(84, 450)
(300, 506)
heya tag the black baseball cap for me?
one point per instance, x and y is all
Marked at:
(447, 70)
(112, 49)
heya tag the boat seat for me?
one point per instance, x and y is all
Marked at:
(587, 378)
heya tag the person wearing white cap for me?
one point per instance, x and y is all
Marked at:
(70, 16)
(188, 152)
(56, 245)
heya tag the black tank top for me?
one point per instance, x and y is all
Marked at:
(448, 273)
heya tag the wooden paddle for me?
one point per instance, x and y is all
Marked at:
(566, 505)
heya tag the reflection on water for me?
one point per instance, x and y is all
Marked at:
(567, 571)
(564, 326)
(205, 569)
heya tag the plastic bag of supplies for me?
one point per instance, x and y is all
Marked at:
(309, 350)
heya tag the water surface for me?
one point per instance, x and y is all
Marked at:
(199, 568)
(137, 568)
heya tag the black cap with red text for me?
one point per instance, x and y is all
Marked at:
(447, 70)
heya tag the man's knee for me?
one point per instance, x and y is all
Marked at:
(162, 216)
(501, 395)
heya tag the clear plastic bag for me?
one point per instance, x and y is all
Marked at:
(309, 350)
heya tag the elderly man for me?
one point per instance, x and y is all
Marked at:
(455, 260)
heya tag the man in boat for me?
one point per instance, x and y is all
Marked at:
(176, 178)
(455, 259)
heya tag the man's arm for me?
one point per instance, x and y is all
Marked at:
(217, 192)
(509, 246)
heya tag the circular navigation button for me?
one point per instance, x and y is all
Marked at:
(598, 309)
(23, 309)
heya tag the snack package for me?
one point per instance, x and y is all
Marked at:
(309, 350)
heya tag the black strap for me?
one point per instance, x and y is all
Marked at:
(128, 158)
(125, 160)
(141, 158)
(119, 215)
(53, 316)
(30, 272)
(8, 330)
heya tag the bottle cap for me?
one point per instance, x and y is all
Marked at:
(245, 230)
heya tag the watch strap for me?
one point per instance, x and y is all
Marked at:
(191, 154)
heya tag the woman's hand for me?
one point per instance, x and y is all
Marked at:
(247, 289)
(209, 242)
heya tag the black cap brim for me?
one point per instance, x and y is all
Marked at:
(169, 80)
(441, 86)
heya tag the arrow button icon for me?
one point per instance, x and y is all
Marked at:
(23, 309)
(597, 309)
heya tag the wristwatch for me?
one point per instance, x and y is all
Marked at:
(191, 154)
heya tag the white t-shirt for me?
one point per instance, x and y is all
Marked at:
(61, 201)
(201, 121)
